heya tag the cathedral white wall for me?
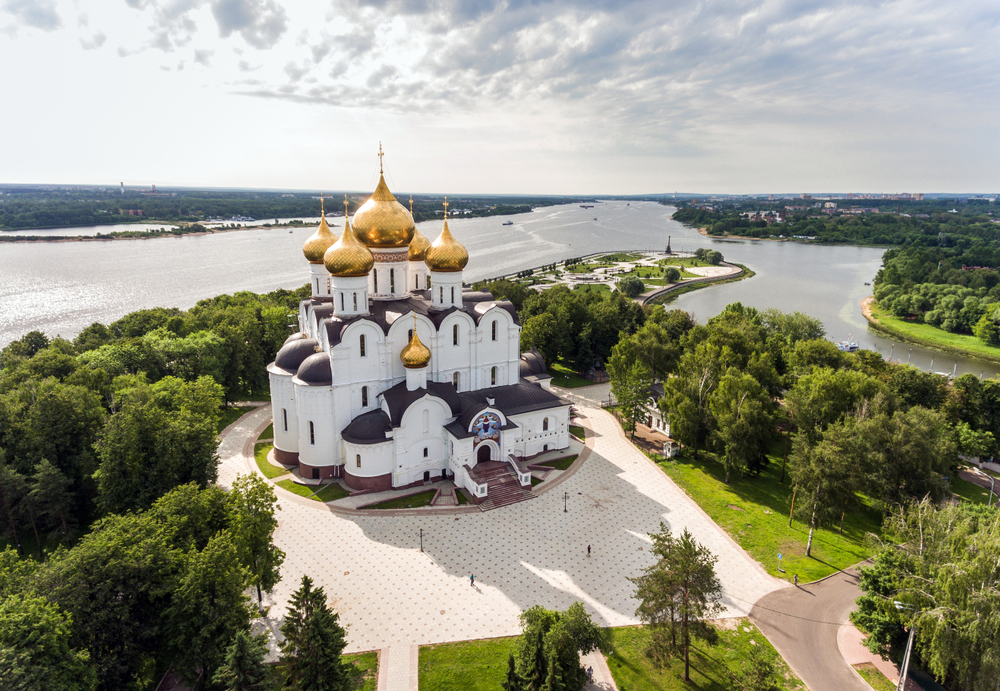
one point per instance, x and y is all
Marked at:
(315, 404)
(448, 357)
(349, 365)
(283, 399)
(376, 459)
(389, 279)
(502, 353)
(350, 295)
(421, 428)
(397, 339)
(319, 279)
(417, 275)
(533, 438)
(446, 289)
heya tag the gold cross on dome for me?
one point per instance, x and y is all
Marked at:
(446, 207)
(322, 212)
(380, 155)
(345, 206)
(411, 204)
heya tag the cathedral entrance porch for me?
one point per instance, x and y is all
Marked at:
(503, 487)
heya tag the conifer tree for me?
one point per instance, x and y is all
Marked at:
(512, 682)
(244, 668)
(51, 494)
(314, 642)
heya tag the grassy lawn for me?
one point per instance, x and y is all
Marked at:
(578, 431)
(331, 492)
(969, 491)
(267, 433)
(565, 377)
(875, 678)
(710, 664)
(926, 334)
(464, 666)
(754, 511)
(270, 471)
(593, 288)
(559, 464)
(231, 415)
(623, 257)
(536, 481)
(410, 501)
(328, 493)
(461, 497)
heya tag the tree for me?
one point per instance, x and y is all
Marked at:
(630, 382)
(208, 607)
(744, 421)
(973, 443)
(549, 648)
(51, 495)
(244, 668)
(671, 274)
(681, 586)
(686, 396)
(827, 474)
(824, 396)
(314, 642)
(251, 505)
(542, 332)
(35, 648)
(512, 682)
(631, 286)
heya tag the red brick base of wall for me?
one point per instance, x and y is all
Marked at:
(376, 484)
(286, 457)
(325, 472)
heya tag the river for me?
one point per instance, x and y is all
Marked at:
(60, 288)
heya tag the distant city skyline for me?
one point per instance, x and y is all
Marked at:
(512, 97)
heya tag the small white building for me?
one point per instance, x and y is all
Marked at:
(401, 375)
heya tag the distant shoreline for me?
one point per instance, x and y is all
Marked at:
(146, 235)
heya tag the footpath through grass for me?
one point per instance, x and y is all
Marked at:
(464, 666)
(925, 334)
(711, 665)
(875, 678)
(269, 470)
(328, 493)
(754, 511)
(231, 415)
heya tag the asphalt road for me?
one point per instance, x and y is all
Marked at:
(802, 625)
(982, 480)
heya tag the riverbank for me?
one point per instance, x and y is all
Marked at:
(674, 291)
(179, 230)
(926, 335)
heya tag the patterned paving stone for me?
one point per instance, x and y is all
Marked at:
(389, 593)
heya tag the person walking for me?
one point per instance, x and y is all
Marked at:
(796, 580)
(472, 580)
(588, 550)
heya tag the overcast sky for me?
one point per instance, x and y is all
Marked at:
(523, 96)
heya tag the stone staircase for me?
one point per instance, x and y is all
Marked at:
(502, 485)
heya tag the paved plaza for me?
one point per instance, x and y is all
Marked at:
(391, 595)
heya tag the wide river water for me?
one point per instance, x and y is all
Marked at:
(61, 287)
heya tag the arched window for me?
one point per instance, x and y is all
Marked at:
(493, 376)
(355, 302)
(453, 294)
(375, 279)
(409, 335)
(416, 281)
(357, 460)
(284, 418)
(392, 280)
(312, 434)
(342, 308)
(317, 286)
(493, 328)
(364, 399)
(454, 380)
(425, 452)
(361, 342)
(454, 334)
(545, 425)
(441, 294)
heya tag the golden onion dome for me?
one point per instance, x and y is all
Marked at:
(320, 241)
(382, 221)
(447, 253)
(419, 243)
(348, 256)
(415, 355)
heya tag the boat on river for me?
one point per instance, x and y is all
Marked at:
(848, 346)
(508, 223)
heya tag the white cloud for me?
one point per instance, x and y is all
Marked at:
(37, 14)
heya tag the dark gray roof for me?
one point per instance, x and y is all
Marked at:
(369, 428)
(531, 363)
(656, 391)
(315, 370)
(510, 400)
(385, 312)
(295, 350)
(398, 399)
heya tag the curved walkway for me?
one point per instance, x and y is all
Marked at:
(389, 592)
(802, 623)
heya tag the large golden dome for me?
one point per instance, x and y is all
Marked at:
(382, 221)
(320, 241)
(415, 355)
(348, 256)
(447, 253)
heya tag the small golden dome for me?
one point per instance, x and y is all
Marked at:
(419, 243)
(320, 241)
(415, 355)
(447, 253)
(348, 256)
(382, 221)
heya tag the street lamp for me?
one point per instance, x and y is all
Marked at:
(909, 647)
(565, 500)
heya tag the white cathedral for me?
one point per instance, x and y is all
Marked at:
(401, 375)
